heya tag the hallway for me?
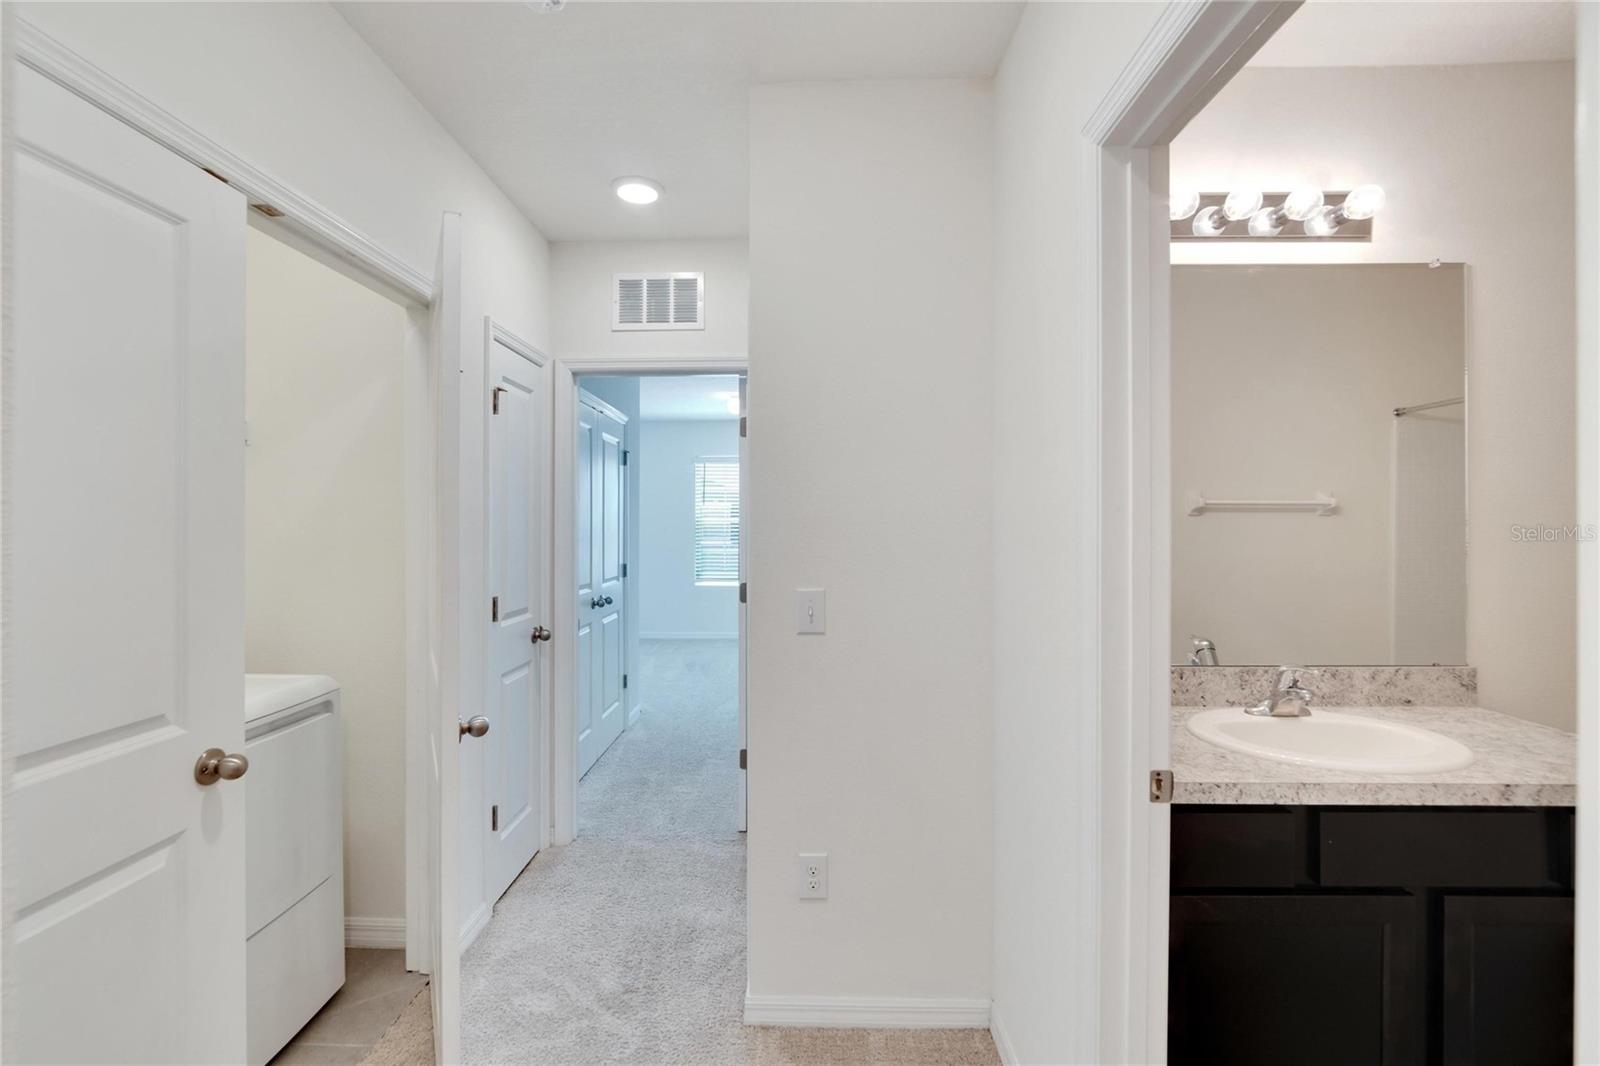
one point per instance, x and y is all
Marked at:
(629, 944)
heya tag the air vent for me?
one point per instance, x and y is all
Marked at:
(658, 301)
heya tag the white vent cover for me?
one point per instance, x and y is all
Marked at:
(658, 301)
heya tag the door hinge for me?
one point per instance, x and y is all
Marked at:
(744, 426)
(494, 608)
(624, 569)
(1160, 786)
(624, 680)
(744, 592)
(744, 759)
(494, 401)
(624, 457)
(494, 818)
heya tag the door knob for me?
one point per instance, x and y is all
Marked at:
(596, 602)
(216, 765)
(607, 601)
(477, 726)
(540, 633)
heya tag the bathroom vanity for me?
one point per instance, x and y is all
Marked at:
(1328, 916)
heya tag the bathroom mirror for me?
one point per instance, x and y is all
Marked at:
(1319, 464)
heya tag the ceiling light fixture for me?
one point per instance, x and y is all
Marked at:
(638, 191)
(1302, 213)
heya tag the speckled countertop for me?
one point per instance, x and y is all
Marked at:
(1517, 764)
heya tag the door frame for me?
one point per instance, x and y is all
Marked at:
(1124, 435)
(313, 229)
(564, 716)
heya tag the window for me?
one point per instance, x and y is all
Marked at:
(716, 521)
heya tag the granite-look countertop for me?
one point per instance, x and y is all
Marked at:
(1518, 764)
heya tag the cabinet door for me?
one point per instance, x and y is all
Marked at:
(1507, 980)
(1307, 979)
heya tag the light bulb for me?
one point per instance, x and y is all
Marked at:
(1264, 223)
(1242, 203)
(1182, 204)
(1302, 203)
(1363, 202)
(1208, 222)
(637, 191)
(1322, 223)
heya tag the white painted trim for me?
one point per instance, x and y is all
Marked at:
(1002, 1039)
(563, 649)
(1587, 1038)
(56, 61)
(689, 636)
(375, 933)
(861, 1012)
(1185, 59)
(420, 574)
(475, 925)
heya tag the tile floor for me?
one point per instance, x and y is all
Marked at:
(376, 989)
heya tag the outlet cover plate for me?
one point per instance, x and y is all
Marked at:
(812, 871)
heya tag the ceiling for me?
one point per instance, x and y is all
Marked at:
(556, 104)
(683, 398)
(1340, 34)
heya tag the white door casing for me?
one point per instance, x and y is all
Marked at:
(124, 577)
(517, 429)
(602, 647)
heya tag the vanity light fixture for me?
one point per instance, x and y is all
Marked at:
(1304, 213)
(1182, 204)
(637, 191)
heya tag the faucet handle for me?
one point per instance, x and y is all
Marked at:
(1289, 676)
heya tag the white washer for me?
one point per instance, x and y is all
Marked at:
(294, 855)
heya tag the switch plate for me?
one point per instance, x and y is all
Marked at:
(813, 872)
(811, 610)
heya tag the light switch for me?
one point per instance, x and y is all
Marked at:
(810, 610)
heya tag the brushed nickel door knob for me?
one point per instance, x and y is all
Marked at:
(475, 726)
(540, 633)
(216, 765)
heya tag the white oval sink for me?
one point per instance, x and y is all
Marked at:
(1332, 740)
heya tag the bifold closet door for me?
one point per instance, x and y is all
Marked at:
(124, 576)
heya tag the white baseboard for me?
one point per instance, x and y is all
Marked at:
(475, 925)
(688, 636)
(374, 932)
(853, 1012)
(1002, 1040)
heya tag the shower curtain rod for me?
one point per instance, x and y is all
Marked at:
(1399, 411)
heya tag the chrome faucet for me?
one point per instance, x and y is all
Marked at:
(1204, 654)
(1290, 697)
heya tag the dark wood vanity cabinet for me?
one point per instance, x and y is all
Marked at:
(1390, 935)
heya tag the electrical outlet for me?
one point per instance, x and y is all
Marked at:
(814, 875)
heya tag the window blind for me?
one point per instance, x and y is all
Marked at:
(716, 521)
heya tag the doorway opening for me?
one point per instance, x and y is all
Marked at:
(649, 892)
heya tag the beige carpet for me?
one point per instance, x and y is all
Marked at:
(628, 946)
(409, 1041)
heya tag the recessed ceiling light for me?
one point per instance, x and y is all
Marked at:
(636, 190)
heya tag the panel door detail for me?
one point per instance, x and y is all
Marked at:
(518, 423)
(602, 596)
(124, 573)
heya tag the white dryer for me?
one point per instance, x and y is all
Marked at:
(294, 855)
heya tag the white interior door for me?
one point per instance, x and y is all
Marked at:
(518, 424)
(601, 601)
(124, 577)
(445, 626)
(744, 610)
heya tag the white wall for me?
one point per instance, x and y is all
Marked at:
(869, 476)
(669, 602)
(1062, 59)
(294, 90)
(582, 276)
(1301, 402)
(1477, 162)
(324, 495)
